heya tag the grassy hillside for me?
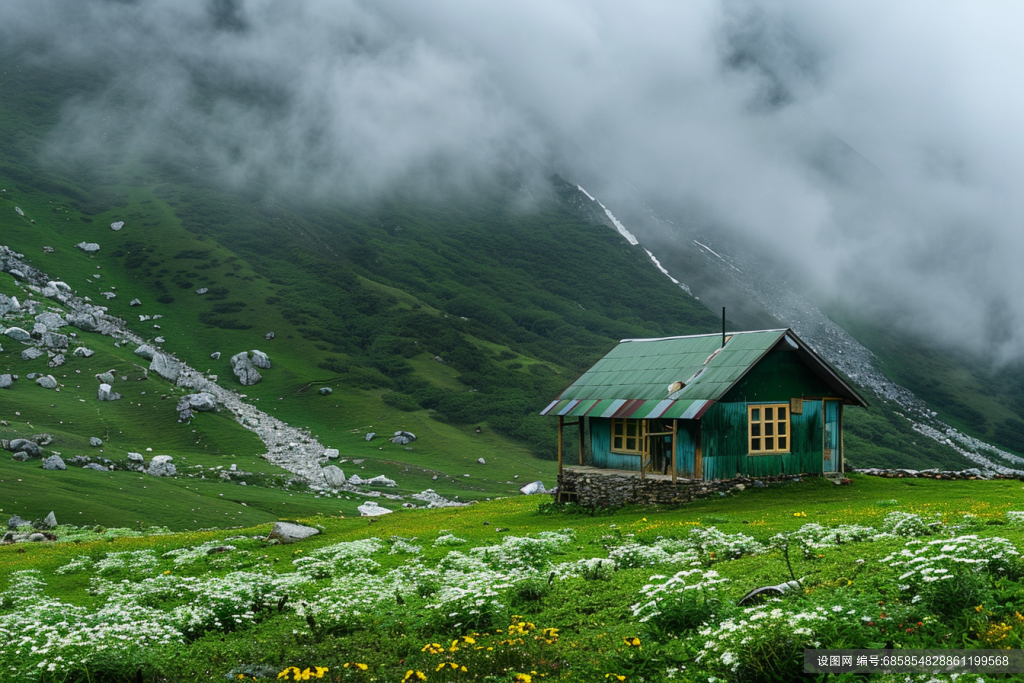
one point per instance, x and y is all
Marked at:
(508, 591)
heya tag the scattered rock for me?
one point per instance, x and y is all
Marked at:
(87, 321)
(37, 537)
(436, 500)
(43, 439)
(202, 290)
(50, 521)
(244, 370)
(51, 320)
(533, 488)
(287, 532)
(83, 352)
(166, 367)
(268, 335)
(134, 302)
(21, 456)
(17, 334)
(161, 466)
(57, 361)
(47, 382)
(136, 462)
(380, 480)
(332, 453)
(215, 355)
(32, 353)
(203, 401)
(15, 521)
(403, 438)
(370, 435)
(54, 462)
(96, 466)
(6, 381)
(260, 360)
(117, 225)
(106, 377)
(481, 461)
(53, 340)
(371, 509)
(95, 441)
(326, 391)
(26, 445)
(18, 211)
(88, 247)
(334, 476)
(107, 393)
(146, 351)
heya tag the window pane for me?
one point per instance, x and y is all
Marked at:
(617, 443)
(782, 412)
(630, 444)
(617, 427)
(782, 428)
(755, 429)
(768, 413)
(769, 429)
(755, 444)
(769, 444)
(755, 414)
(782, 443)
(630, 429)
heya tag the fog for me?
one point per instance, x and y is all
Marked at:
(875, 148)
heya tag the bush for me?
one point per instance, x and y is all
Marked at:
(400, 401)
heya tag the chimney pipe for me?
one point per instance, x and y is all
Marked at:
(723, 326)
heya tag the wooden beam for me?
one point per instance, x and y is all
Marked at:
(561, 421)
(580, 423)
(675, 430)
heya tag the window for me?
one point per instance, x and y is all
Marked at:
(768, 428)
(627, 436)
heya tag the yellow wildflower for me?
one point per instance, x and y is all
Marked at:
(632, 642)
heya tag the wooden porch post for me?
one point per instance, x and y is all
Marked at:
(675, 430)
(698, 456)
(561, 420)
(580, 423)
(641, 433)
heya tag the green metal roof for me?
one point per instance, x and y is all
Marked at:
(633, 379)
(644, 368)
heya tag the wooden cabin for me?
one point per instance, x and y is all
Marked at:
(709, 407)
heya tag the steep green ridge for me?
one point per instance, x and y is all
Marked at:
(977, 397)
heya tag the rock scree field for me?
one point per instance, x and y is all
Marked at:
(524, 590)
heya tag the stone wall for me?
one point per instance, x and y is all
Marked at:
(596, 488)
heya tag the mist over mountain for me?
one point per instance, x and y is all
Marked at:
(873, 150)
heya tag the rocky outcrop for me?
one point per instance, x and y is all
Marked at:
(260, 360)
(51, 320)
(26, 445)
(161, 466)
(107, 393)
(334, 476)
(288, 532)
(54, 462)
(244, 370)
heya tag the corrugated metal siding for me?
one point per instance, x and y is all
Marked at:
(724, 444)
(780, 376)
(686, 447)
(600, 445)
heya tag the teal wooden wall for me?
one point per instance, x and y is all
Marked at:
(601, 438)
(724, 442)
(780, 376)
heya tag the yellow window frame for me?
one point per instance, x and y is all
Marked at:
(627, 436)
(768, 428)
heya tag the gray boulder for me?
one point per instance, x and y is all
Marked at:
(6, 381)
(215, 355)
(54, 462)
(403, 438)
(88, 247)
(136, 462)
(244, 370)
(370, 435)
(260, 360)
(202, 290)
(534, 487)
(54, 340)
(32, 353)
(161, 466)
(146, 351)
(83, 352)
(326, 391)
(334, 477)
(42, 439)
(166, 367)
(106, 377)
(203, 401)
(15, 521)
(57, 361)
(481, 461)
(36, 537)
(84, 320)
(332, 453)
(51, 320)
(96, 466)
(50, 521)
(286, 532)
(47, 382)
(17, 334)
(380, 480)
(116, 225)
(134, 302)
(95, 441)
(107, 393)
(21, 456)
(27, 445)
(268, 335)
(371, 509)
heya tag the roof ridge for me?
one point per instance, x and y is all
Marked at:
(696, 336)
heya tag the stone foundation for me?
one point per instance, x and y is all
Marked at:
(593, 487)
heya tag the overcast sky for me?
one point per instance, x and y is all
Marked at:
(877, 146)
